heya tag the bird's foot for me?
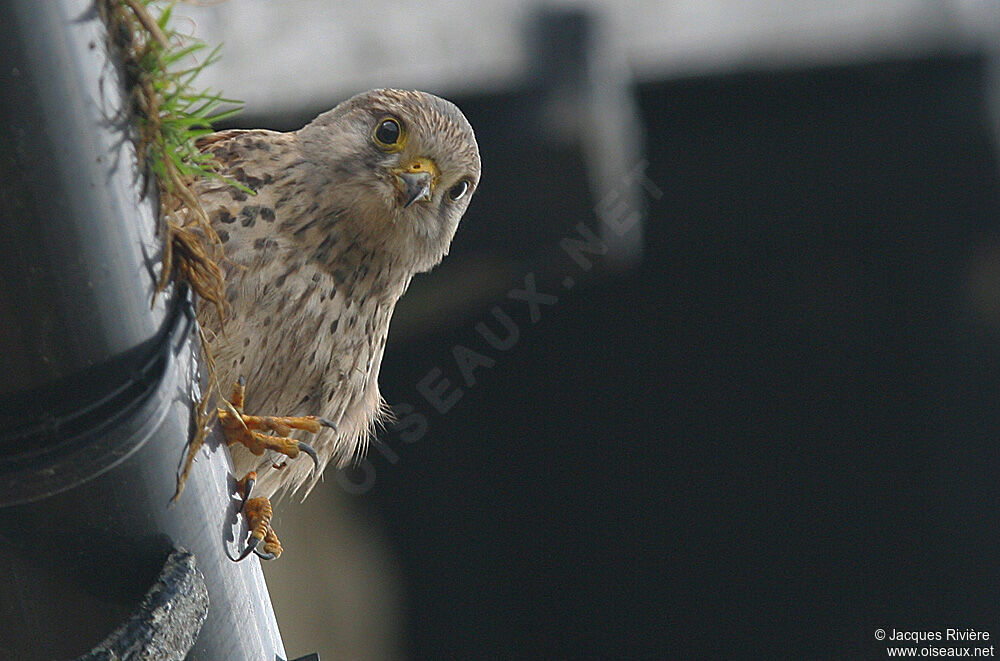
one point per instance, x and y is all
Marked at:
(258, 512)
(259, 434)
(256, 432)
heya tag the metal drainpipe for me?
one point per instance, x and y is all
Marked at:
(96, 386)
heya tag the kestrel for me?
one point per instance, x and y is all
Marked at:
(347, 209)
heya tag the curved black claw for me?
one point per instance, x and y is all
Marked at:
(264, 556)
(326, 422)
(251, 547)
(247, 488)
(308, 449)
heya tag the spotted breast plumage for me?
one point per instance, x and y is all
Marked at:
(344, 212)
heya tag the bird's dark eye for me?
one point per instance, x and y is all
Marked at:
(388, 133)
(458, 191)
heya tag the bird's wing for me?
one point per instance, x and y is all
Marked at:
(207, 141)
(259, 160)
(230, 147)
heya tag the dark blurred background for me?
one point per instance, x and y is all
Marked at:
(761, 423)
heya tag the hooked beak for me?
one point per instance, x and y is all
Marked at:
(416, 180)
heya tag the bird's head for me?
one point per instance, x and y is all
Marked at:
(402, 165)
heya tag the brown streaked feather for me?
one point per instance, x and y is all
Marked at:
(206, 141)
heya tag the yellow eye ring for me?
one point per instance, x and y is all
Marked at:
(389, 134)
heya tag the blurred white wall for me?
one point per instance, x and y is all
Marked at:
(281, 54)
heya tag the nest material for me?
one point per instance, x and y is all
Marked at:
(157, 99)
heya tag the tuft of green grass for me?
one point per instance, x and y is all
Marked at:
(179, 113)
(172, 114)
